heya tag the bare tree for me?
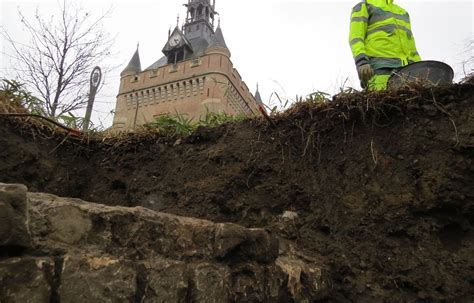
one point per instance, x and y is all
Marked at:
(468, 62)
(62, 51)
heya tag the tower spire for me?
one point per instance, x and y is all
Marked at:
(134, 66)
(200, 13)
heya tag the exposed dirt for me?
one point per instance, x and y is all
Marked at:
(383, 184)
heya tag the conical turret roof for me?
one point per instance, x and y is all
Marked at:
(218, 39)
(134, 66)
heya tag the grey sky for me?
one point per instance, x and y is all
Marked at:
(289, 47)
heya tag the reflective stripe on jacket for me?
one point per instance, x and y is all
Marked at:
(381, 35)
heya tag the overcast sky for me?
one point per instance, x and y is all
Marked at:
(290, 47)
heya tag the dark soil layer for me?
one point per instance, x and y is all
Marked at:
(383, 184)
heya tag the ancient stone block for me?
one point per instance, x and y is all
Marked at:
(62, 224)
(163, 281)
(14, 216)
(210, 283)
(228, 237)
(97, 279)
(248, 283)
(26, 279)
(235, 243)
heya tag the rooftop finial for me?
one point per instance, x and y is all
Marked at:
(219, 22)
(177, 21)
(138, 44)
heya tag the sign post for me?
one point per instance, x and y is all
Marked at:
(96, 77)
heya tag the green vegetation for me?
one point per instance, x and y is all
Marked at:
(179, 124)
(14, 95)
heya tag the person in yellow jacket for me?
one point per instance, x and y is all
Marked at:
(381, 41)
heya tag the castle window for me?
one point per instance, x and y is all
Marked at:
(174, 68)
(153, 73)
(199, 11)
(195, 62)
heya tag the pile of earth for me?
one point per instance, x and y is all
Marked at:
(382, 183)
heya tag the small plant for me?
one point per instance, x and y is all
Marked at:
(180, 124)
(14, 94)
(212, 119)
(318, 97)
(278, 105)
(177, 124)
(71, 121)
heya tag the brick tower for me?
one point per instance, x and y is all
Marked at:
(194, 76)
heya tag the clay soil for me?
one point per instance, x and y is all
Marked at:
(383, 184)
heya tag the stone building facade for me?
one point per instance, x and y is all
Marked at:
(195, 76)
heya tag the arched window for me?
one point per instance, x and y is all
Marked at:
(199, 12)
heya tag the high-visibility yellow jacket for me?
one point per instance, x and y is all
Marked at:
(381, 35)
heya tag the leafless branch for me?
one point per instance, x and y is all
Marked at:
(61, 52)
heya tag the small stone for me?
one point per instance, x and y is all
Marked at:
(178, 142)
(290, 215)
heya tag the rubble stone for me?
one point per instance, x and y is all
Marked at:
(64, 224)
(97, 279)
(26, 279)
(14, 216)
(117, 254)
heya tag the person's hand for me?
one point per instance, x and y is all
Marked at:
(365, 72)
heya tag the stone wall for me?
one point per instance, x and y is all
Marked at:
(56, 249)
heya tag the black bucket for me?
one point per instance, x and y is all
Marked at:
(428, 73)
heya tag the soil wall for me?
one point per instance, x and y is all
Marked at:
(382, 184)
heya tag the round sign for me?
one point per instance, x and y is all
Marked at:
(96, 77)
